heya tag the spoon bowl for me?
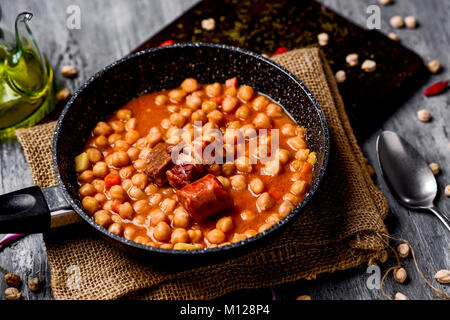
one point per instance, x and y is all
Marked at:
(407, 174)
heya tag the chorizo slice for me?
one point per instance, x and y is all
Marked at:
(204, 198)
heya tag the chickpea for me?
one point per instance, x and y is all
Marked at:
(90, 204)
(162, 232)
(117, 192)
(262, 121)
(288, 130)
(103, 218)
(156, 199)
(181, 219)
(101, 141)
(195, 235)
(121, 145)
(209, 106)
(256, 185)
(248, 215)
(100, 197)
(213, 169)
(168, 205)
(245, 93)
(214, 90)
(135, 193)
(243, 164)
(189, 85)
(131, 124)
(312, 158)
(120, 159)
(296, 143)
(99, 185)
(298, 187)
(177, 120)
(230, 91)
(225, 224)
(215, 116)
(157, 216)
(124, 114)
(173, 108)
(116, 228)
(285, 208)
(139, 180)
(238, 182)
(165, 123)
(126, 172)
(86, 176)
(302, 154)
(215, 236)
(179, 235)
(94, 155)
(291, 198)
(117, 126)
(272, 219)
(140, 164)
(228, 169)
(131, 136)
(141, 142)
(144, 240)
(133, 153)
(113, 138)
(87, 189)
(154, 136)
(186, 112)
(198, 115)
(260, 103)
(224, 181)
(193, 101)
(265, 202)
(272, 167)
(151, 189)
(141, 207)
(229, 103)
(274, 111)
(242, 112)
(263, 227)
(129, 232)
(250, 233)
(161, 99)
(295, 165)
(126, 210)
(282, 155)
(177, 95)
(238, 237)
(102, 129)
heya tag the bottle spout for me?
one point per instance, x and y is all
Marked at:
(25, 40)
(27, 56)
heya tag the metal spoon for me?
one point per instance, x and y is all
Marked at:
(407, 175)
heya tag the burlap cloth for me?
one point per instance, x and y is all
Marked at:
(341, 228)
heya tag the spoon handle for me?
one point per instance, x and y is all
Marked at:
(441, 215)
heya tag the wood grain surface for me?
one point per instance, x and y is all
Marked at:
(112, 28)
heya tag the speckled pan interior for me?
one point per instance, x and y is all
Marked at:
(166, 67)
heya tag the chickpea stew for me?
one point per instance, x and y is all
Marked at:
(131, 183)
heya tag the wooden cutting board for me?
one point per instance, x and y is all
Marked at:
(263, 26)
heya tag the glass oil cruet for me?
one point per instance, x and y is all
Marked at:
(27, 91)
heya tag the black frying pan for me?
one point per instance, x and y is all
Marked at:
(32, 210)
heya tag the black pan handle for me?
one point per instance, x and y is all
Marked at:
(24, 211)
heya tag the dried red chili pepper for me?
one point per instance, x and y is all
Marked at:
(436, 88)
(167, 43)
(280, 50)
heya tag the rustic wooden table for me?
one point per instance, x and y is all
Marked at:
(112, 28)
